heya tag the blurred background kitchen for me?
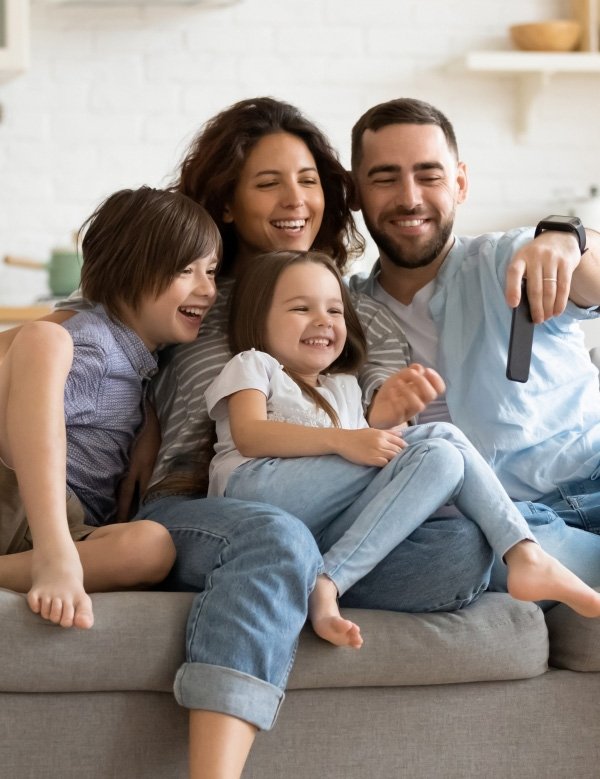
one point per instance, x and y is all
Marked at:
(98, 95)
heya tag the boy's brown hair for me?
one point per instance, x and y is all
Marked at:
(137, 241)
(250, 303)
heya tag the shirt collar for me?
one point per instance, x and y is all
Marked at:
(142, 360)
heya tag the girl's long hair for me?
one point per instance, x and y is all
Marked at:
(250, 304)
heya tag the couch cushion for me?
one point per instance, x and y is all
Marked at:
(495, 638)
(137, 643)
(574, 640)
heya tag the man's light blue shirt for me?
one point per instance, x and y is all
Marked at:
(536, 435)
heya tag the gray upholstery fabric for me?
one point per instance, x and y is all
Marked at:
(494, 638)
(347, 715)
(542, 728)
(137, 643)
(121, 735)
(575, 641)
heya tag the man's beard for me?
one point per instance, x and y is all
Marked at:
(421, 256)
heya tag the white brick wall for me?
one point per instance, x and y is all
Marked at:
(115, 93)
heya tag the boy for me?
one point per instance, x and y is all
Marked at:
(72, 398)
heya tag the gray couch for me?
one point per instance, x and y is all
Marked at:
(495, 690)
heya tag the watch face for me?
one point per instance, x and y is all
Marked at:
(574, 220)
(570, 224)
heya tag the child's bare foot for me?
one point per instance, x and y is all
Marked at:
(535, 575)
(57, 592)
(326, 619)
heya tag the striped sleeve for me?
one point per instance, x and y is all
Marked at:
(388, 349)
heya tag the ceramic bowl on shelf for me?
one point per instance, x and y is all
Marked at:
(557, 35)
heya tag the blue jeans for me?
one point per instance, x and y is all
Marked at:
(359, 513)
(578, 503)
(254, 565)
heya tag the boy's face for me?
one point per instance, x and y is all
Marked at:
(175, 316)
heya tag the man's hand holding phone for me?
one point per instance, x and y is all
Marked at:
(521, 339)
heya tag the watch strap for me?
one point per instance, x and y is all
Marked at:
(566, 224)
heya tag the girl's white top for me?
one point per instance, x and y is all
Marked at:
(285, 403)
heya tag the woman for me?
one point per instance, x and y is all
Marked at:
(270, 180)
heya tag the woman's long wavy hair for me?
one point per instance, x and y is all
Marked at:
(251, 301)
(213, 163)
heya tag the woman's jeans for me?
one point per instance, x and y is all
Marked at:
(377, 508)
(254, 566)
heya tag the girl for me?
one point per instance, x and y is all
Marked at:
(287, 396)
(71, 403)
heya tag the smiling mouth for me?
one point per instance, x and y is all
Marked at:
(317, 341)
(408, 222)
(293, 225)
(193, 313)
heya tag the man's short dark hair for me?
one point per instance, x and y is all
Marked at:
(403, 110)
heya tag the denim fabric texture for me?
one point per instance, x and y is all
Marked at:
(359, 514)
(537, 435)
(253, 567)
(578, 503)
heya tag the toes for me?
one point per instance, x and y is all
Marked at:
(55, 611)
(45, 607)
(34, 602)
(84, 617)
(84, 621)
(68, 612)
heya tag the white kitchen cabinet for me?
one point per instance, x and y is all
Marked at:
(14, 37)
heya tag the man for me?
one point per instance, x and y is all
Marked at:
(453, 296)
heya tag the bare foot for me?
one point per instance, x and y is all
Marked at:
(326, 619)
(535, 575)
(57, 592)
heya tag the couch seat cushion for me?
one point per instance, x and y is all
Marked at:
(495, 638)
(574, 640)
(137, 643)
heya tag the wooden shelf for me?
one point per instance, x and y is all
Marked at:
(18, 314)
(537, 62)
(533, 71)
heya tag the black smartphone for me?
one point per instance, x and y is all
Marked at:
(521, 340)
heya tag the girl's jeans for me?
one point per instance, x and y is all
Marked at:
(360, 513)
(254, 566)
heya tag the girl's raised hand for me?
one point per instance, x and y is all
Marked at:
(403, 395)
(369, 446)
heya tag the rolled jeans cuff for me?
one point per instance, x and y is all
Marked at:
(215, 688)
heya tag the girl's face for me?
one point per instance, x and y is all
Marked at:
(278, 202)
(176, 314)
(305, 327)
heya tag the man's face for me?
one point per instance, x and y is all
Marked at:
(409, 184)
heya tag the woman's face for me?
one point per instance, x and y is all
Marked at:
(278, 202)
